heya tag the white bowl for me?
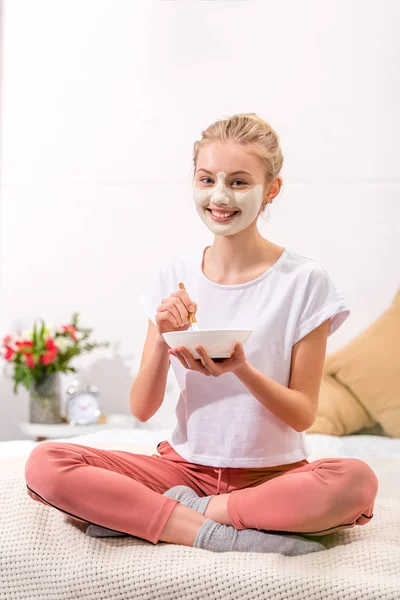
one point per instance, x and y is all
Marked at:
(218, 343)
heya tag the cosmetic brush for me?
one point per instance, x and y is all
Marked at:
(193, 323)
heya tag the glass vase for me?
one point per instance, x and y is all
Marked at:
(45, 399)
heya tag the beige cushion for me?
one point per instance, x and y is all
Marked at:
(339, 412)
(361, 381)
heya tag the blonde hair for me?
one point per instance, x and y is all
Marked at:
(247, 129)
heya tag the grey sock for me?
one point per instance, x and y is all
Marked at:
(98, 531)
(226, 538)
(189, 498)
(222, 538)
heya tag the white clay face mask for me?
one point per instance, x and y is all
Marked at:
(220, 196)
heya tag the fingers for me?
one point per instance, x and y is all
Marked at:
(187, 303)
(179, 304)
(175, 307)
(205, 359)
(206, 365)
(170, 314)
(186, 358)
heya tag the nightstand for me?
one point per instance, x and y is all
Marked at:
(44, 431)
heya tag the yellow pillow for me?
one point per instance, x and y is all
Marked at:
(339, 412)
(361, 381)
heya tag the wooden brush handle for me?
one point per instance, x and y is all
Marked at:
(192, 318)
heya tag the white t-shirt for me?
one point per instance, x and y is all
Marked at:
(218, 421)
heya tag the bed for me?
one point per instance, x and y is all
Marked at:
(44, 556)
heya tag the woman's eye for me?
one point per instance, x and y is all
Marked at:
(209, 178)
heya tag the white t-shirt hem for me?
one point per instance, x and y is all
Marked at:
(266, 461)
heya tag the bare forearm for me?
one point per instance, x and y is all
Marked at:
(148, 388)
(292, 406)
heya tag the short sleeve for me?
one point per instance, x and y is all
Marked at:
(321, 301)
(151, 297)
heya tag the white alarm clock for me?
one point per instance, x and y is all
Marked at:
(82, 405)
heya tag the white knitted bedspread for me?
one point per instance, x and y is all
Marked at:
(44, 556)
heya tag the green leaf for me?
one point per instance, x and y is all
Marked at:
(42, 331)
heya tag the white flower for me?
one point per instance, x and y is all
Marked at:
(64, 343)
(50, 331)
(61, 344)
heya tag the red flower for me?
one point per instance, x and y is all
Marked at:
(72, 331)
(24, 347)
(9, 353)
(29, 360)
(50, 354)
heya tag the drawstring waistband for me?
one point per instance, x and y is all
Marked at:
(219, 477)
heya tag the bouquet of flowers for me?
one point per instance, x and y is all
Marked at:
(45, 350)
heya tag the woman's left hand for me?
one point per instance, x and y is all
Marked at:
(207, 365)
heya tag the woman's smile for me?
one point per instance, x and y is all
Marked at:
(217, 216)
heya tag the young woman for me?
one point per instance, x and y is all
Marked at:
(234, 474)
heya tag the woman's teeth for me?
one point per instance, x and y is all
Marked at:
(221, 216)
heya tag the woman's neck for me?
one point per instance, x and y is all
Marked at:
(228, 263)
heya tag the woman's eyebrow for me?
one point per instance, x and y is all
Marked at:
(233, 172)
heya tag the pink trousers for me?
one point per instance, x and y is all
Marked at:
(123, 491)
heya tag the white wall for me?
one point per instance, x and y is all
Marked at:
(101, 104)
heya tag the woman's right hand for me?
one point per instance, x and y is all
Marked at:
(172, 314)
